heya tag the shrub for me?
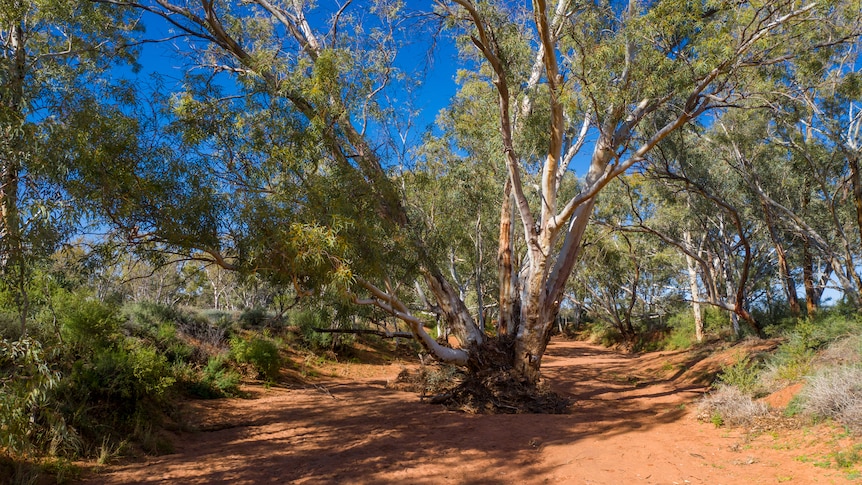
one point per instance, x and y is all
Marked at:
(217, 379)
(715, 321)
(307, 321)
(213, 327)
(742, 374)
(603, 334)
(835, 393)
(253, 318)
(679, 339)
(793, 359)
(87, 323)
(681, 335)
(215, 316)
(124, 375)
(10, 326)
(729, 406)
(833, 326)
(259, 352)
(28, 416)
(168, 329)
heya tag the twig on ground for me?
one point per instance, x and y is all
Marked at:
(325, 391)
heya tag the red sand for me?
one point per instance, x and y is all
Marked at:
(633, 421)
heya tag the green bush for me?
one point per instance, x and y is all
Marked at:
(259, 352)
(253, 318)
(124, 375)
(219, 379)
(793, 359)
(217, 317)
(10, 325)
(681, 335)
(715, 320)
(215, 380)
(148, 314)
(307, 320)
(602, 333)
(742, 375)
(680, 339)
(28, 417)
(833, 325)
(87, 323)
(159, 325)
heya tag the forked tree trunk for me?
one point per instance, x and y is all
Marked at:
(543, 292)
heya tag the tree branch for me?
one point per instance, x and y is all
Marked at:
(390, 304)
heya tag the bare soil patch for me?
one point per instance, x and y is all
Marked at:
(631, 421)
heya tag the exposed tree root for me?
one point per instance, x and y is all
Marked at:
(488, 387)
(499, 392)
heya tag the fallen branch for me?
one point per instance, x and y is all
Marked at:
(365, 331)
(325, 391)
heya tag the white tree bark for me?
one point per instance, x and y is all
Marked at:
(691, 267)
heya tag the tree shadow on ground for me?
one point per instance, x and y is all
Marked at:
(363, 432)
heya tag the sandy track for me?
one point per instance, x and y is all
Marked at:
(632, 422)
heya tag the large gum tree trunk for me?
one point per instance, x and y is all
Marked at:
(544, 290)
(530, 347)
(532, 335)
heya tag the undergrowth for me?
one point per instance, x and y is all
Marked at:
(97, 379)
(729, 406)
(824, 353)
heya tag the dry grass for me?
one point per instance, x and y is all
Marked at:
(842, 352)
(729, 406)
(836, 393)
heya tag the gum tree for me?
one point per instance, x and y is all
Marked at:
(52, 56)
(291, 182)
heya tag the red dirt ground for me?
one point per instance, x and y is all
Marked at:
(632, 421)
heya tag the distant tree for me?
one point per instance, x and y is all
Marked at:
(627, 275)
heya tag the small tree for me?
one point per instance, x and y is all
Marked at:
(52, 56)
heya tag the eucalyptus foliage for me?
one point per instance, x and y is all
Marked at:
(282, 152)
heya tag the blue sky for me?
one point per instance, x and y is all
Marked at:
(436, 71)
(437, 89)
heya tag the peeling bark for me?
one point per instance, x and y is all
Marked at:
(505, 266)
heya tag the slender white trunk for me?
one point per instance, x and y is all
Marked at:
(695, 290)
